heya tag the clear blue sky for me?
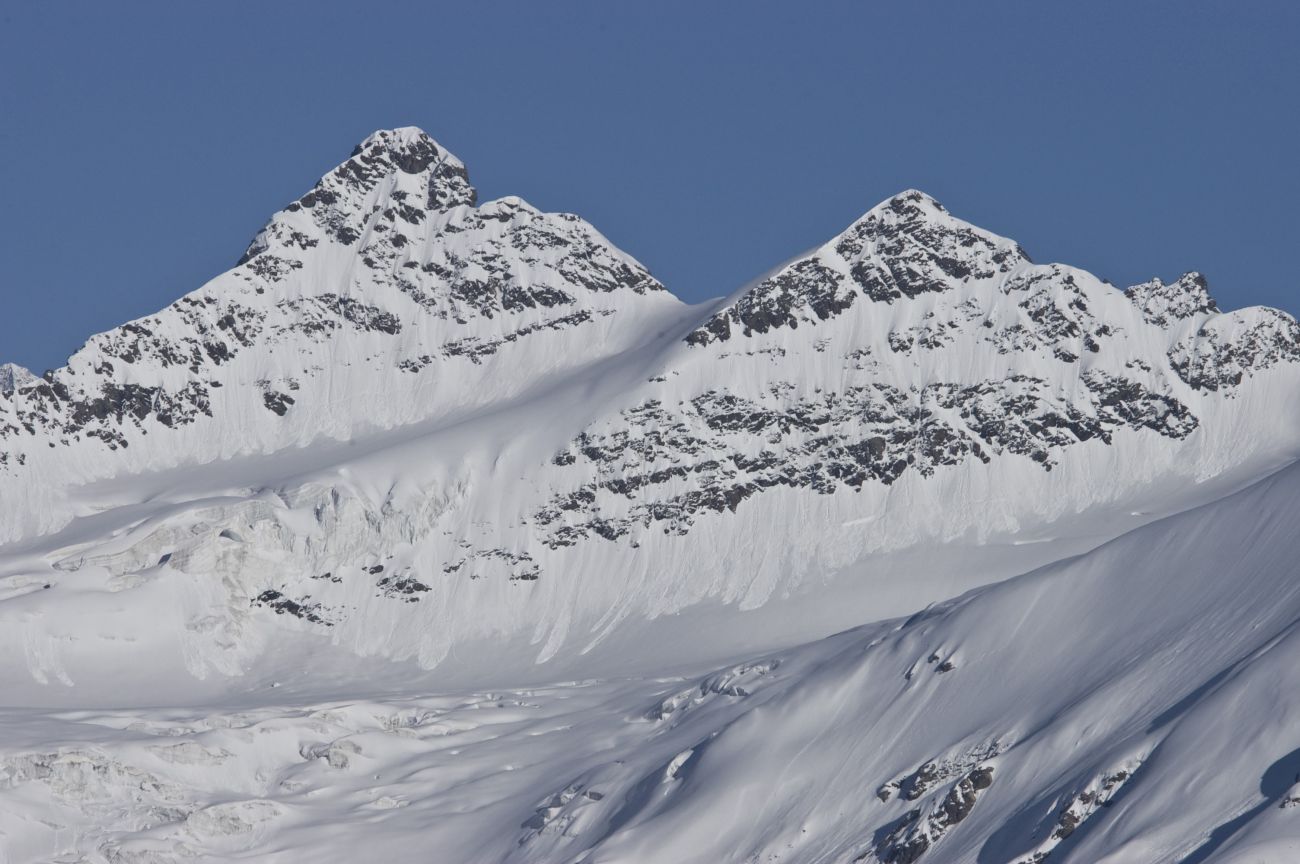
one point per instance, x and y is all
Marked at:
(143, 144)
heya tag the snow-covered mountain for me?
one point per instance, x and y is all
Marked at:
(329, 326)
(13, 376)
(482, 440)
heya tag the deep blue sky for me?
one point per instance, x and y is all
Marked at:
(143, 144)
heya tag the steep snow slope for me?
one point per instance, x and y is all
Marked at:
(412, 427)
(1134, 705)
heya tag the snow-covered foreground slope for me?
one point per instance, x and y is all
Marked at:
(1138, 703)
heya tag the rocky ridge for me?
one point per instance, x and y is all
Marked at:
(548, 443)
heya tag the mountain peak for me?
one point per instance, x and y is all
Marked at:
(397, 136)
(13, 376)
(390, 243)
(402, 168)
(910, 204)
(1161, 303)
(904, 247)
(408, 148)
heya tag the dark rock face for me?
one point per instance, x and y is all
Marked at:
(519, 565)
(914, 255)
(917, 832)
(277, 402)
(1164, 305)
(282, 605)
(1099, 793)
(1083, 805)
(806, 285)
(1058, 311)
(719, 449)
(475, 348)
(459, 265)
(491, 278)
(329, 311)
(931, 774)
(1217, 356)
(402, 586)
(332, 202)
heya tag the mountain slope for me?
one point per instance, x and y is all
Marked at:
(381, 298)
(442, 530)
(413, 427)
(1133, 704)
(941, 345)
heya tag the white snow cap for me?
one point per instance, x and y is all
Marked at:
(398, 134)
(406, 140)
(915, 197)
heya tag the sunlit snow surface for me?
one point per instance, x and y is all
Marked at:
(1150, 689)
(441, 532)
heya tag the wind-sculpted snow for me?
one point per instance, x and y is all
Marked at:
(1133, 704)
